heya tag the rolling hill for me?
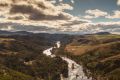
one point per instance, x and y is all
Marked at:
(99, 54)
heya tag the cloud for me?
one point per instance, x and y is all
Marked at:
(115, 15)
(118, 2)
(46, 16)
(7, 28)
(53, 1)
(60, 0)
(95, 13)
(35, 9)
(70, 26)
(16, 17)
(72, 1)
(112, 27)
(63, 6)
(36, 15)
(11, 26)
(74, 22)
(98, 13)
(89, 17)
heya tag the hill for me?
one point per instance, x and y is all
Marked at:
(22, 57)
(21, 53)
(99, 54)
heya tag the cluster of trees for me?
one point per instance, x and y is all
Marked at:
(25, 49)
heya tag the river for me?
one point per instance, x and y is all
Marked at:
(74, 74)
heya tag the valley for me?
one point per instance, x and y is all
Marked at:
(74, 57)
(97, 53)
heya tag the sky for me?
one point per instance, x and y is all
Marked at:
(81, 6)
(60, 16)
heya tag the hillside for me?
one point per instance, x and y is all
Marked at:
(99, 54)
(9, 74)
(22, 57)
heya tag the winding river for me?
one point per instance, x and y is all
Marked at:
(74, 74)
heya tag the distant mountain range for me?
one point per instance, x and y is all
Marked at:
(14, 33)
(3, 32)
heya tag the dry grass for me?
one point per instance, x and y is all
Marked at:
(111, 58)
(83, 49)
(79, 50)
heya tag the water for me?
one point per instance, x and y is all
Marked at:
(75, 70)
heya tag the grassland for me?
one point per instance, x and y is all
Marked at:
(99, 54)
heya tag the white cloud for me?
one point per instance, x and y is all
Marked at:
(95, 13)
(53, 1)
(72, 1)
(30, 15)
(115, 15)
(89, 17)
(63, 6)
(7, 28)
(62, 26)
(60, 0)
(118, 2)
(37, 13)
(34, 9)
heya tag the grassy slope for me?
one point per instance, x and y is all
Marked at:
(23, 54)
(98, 53)
(8, 74)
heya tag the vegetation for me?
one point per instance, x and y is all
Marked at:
(99, 54)
(22, 57)
(8, 74)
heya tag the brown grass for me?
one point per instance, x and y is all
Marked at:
(79, 50)
(82, 49)
(110, 58)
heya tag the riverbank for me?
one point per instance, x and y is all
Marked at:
(75, 71)
(100, 54)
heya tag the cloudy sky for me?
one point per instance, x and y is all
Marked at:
(69, 16)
